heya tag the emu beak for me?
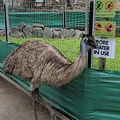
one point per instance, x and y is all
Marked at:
(94, 45)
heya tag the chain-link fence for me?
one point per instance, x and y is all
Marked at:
(48, 12)
(55, 14)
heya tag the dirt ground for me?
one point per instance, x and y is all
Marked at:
(16, 105)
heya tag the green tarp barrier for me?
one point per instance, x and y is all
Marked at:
(51, 19)
(93, 95)
(2, 25)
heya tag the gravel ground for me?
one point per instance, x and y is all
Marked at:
(16, 105)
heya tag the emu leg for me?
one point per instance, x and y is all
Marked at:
(52, 113)
(34, 104)
(53, 117)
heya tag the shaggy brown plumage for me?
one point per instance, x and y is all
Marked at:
(39, 62)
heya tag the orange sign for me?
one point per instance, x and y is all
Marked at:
(105, 29)
(109, 27)
(98, 27)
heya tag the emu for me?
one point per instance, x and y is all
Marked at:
(38, 62)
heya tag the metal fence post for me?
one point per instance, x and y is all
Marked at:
(5, 4)
(86, 17)
(64, 13)
(91, 31)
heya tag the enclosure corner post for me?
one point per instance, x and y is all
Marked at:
(91, 30)
(6, 19)
(64, 13)
(86, 17)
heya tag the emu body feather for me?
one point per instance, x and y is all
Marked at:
(37, 61)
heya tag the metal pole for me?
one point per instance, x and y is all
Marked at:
(86, 17)
(5, 3)
(64, 13)
(94, 8)
(91, 31)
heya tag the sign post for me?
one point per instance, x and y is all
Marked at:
(91, 31)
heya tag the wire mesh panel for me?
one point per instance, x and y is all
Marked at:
(48, 12)
(32, 11)
(75, 14)
(1, 6)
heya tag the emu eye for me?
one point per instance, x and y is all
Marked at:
(89, 42)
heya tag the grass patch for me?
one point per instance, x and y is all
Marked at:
(69, 47)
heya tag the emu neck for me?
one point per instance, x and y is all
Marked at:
(83, 48)
(77, 67)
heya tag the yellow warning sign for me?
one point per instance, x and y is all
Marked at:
(105, 8)
(105, 29)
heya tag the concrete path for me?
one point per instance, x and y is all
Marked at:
(16, 105)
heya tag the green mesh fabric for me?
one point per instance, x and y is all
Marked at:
(51, 19)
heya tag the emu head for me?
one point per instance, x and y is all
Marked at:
(88, 42)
